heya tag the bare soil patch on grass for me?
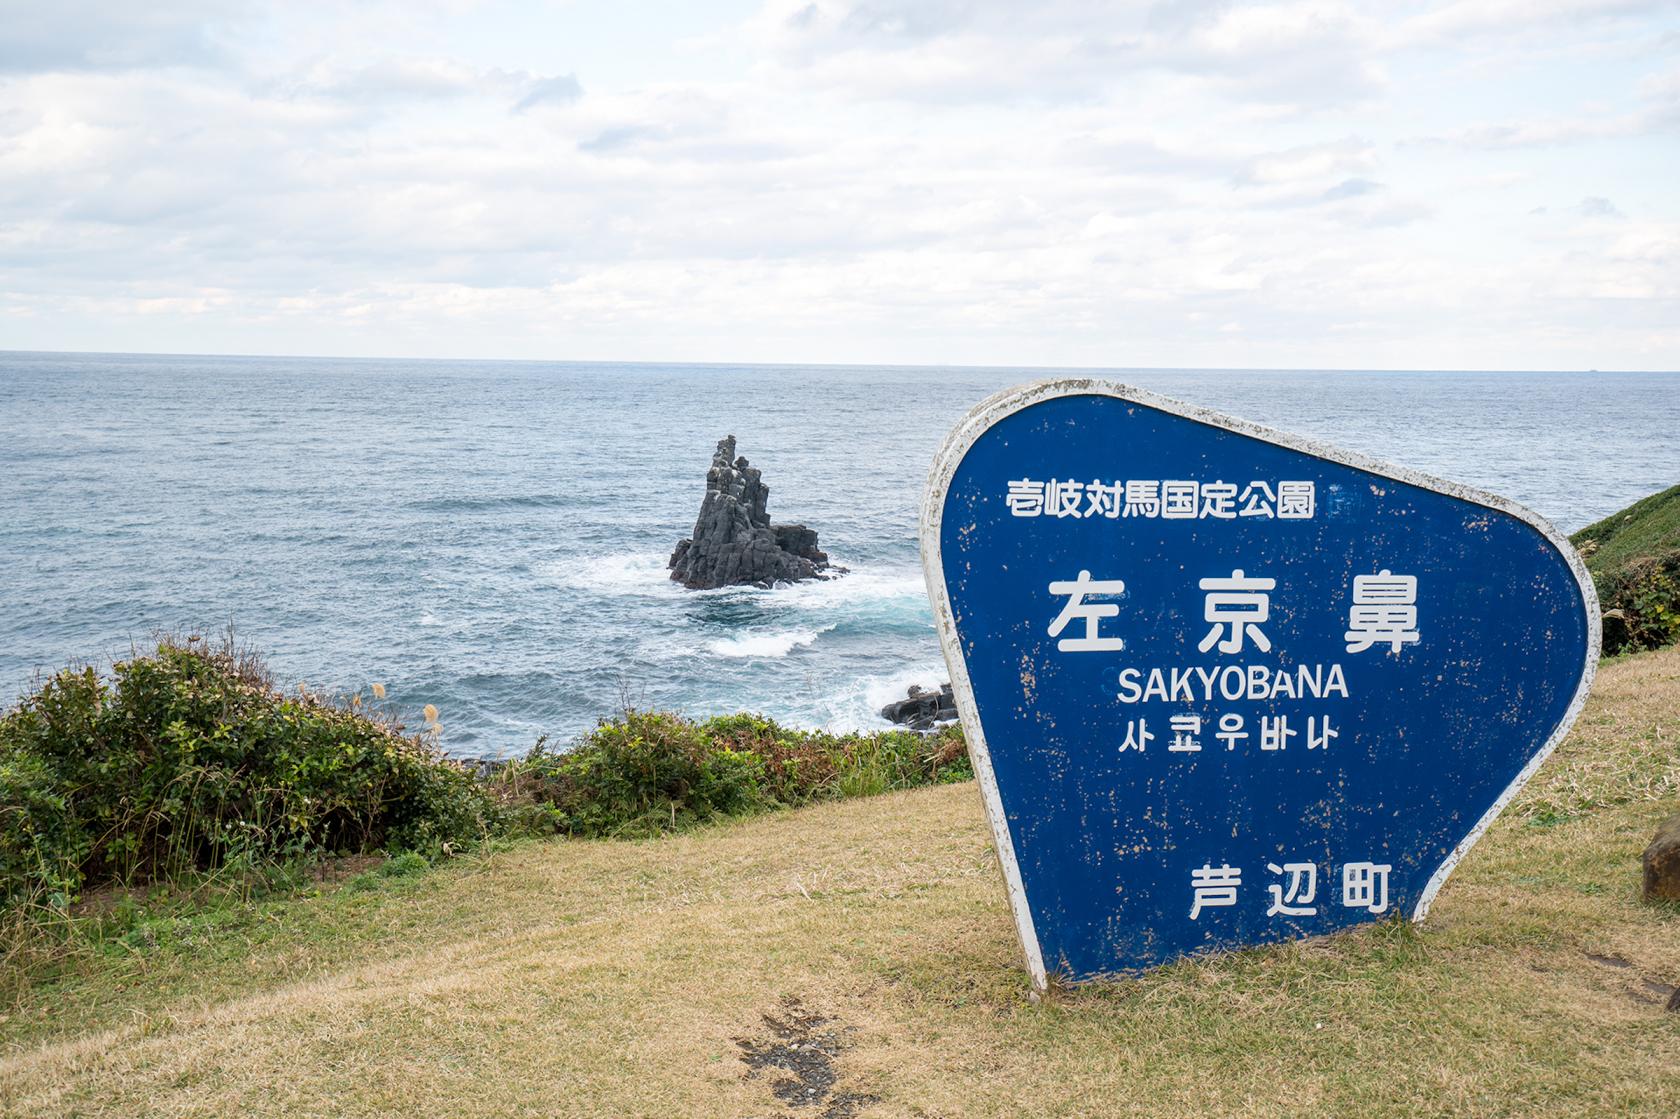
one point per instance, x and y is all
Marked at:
(804, 1047)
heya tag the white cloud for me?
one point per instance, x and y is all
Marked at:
(560, 90)
(1175, 183)
(86, 35)
(1452, 23)
(1298, 55)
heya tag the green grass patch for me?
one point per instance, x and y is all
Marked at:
(1648, 527)
(1634, 558)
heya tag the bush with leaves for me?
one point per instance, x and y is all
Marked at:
(1646, 594)
(648, 772)
(187, 758)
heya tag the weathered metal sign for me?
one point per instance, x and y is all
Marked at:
(1224, 686)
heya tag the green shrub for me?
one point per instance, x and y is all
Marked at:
(650, 772)
(644, 773)
(796, 766)
(1645, 596)
(1634, 558)
(41, 848)
(187, 759)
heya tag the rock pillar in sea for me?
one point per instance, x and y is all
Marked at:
(734, 541)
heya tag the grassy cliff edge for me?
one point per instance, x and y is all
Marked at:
(1634, 558)
(858, 954)
(223, 900)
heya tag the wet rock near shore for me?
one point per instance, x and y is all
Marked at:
(734, 542)
(923, 708)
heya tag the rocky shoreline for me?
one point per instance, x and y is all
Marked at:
(923, 709)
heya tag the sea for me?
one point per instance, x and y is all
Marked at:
(492, 537)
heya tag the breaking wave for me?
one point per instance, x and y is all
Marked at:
(624, 573)
(857, 705)
(891, 586)
(766, 644)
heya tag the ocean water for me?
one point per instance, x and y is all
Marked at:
(492, 537)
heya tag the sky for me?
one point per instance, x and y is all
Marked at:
(1476, 184)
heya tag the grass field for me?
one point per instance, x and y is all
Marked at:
(857, 958)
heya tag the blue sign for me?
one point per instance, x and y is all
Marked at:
(1224, 686)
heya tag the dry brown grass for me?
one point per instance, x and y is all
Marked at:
(609, 979)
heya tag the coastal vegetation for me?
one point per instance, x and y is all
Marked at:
(185, 765)
(1634, 558)
(187, 760)
(859, 955)
(216, 896)
(648, 772)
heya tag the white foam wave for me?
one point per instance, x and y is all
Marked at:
(647, 574)
(766, 644)
(624, 573)
(885, 586)
(858, 705)
(427, 618)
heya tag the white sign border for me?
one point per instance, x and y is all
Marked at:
(990, 411)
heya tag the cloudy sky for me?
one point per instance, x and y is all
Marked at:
(1469, 184)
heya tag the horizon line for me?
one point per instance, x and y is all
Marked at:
(393, 358)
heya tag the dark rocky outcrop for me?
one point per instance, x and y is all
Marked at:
(734, 541)
(1662, 863)
(922, 709)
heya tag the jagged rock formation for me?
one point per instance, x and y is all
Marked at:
(922, 709)
(734, 541)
